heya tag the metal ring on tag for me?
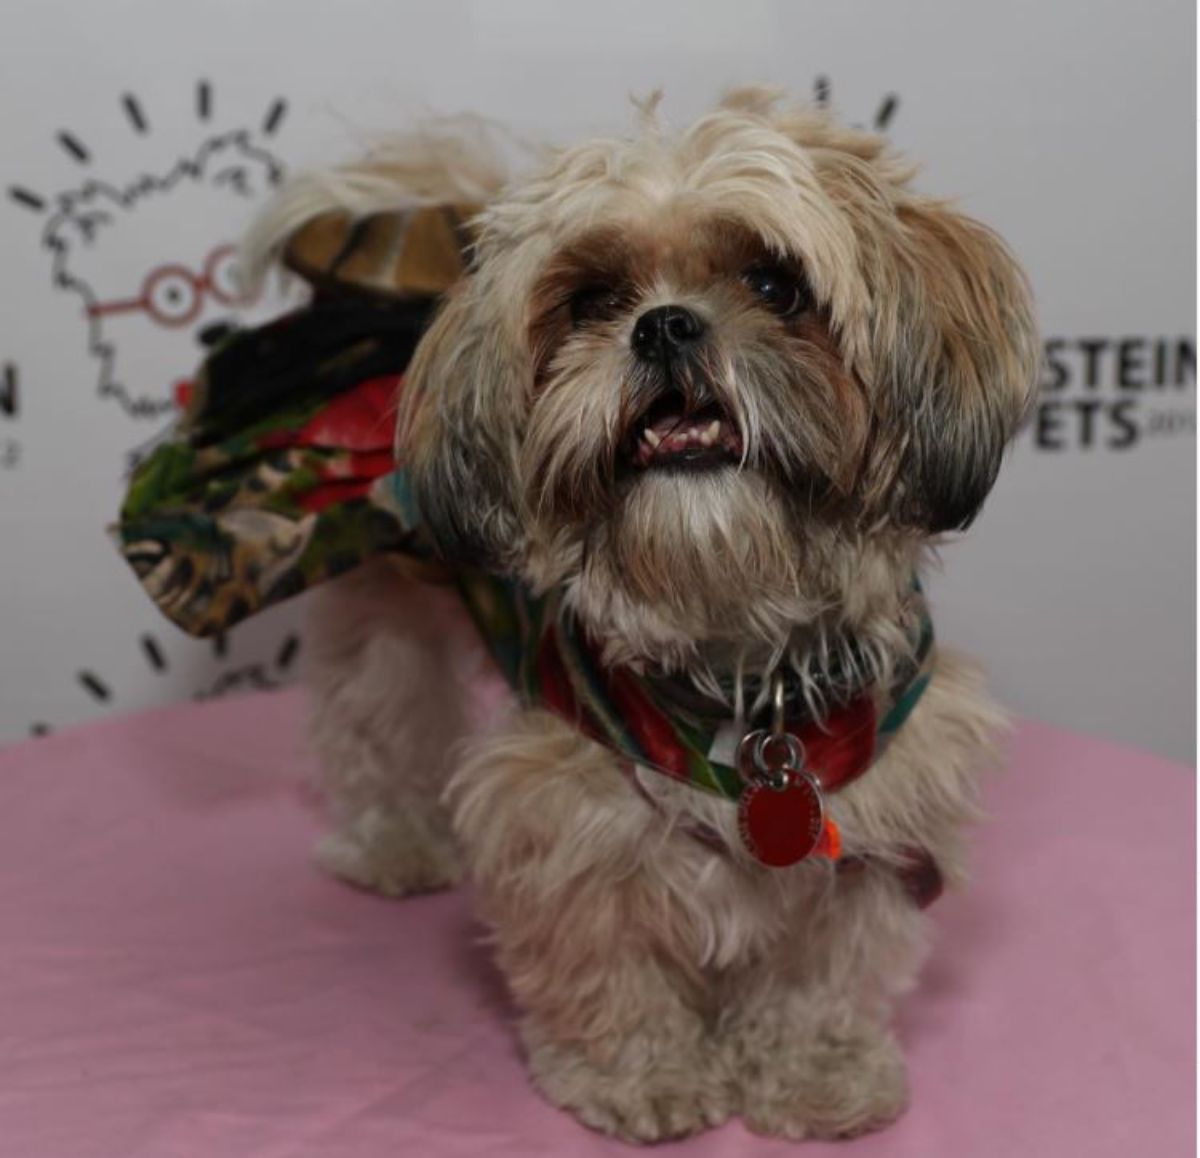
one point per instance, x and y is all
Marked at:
(779, 759)
(763, 756)
(780, 751)
(750, 764)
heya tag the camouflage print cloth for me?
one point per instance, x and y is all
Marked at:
(276, 477)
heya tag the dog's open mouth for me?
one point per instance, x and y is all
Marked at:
(670, 436)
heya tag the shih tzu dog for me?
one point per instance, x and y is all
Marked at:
(699, 407)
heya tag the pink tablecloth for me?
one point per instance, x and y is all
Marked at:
(177, 979)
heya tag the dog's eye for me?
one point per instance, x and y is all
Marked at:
(780, 291)
(594, 303)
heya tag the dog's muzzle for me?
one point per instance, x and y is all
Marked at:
(681, 425)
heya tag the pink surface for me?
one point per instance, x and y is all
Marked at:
(177, 979)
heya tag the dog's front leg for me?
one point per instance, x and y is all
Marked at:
(571, 871)
(805, 1029)
(630, 1054)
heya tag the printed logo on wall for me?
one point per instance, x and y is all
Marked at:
(148, 256)
(823, 92)
(152, 257)
(229, 677)
(10, 405)
(1114, 393)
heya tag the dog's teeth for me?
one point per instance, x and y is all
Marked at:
(711, 434)
(652, 438)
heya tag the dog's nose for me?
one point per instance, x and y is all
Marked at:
(665, 331)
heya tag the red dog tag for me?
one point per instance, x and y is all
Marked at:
(780, 826)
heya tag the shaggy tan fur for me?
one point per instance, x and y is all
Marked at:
(664, 986)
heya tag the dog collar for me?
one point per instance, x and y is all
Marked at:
(778, 776)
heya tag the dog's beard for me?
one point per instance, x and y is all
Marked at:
(722, 570)
(684, 497)
(710, 551)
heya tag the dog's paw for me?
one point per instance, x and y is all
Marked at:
(659, 1102)
(841, 1083)
(390, 856)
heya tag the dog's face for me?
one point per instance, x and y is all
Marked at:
(719, 384)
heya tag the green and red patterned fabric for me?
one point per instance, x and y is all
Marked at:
(275, 477)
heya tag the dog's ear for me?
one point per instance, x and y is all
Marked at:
(955, 356)
(457, 430)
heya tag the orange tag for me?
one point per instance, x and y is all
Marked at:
(830, 844)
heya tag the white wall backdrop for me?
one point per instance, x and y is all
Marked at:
(141, 134)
